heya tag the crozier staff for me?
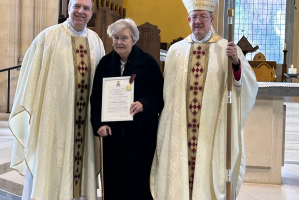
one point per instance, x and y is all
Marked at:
(128, 146)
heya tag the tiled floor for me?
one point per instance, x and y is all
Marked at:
(12, 182)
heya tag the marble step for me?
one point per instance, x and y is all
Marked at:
(5, 132)
(292, 145)
(292, 113)
(3, 124)
(292, 137)
(291, 128)
(292, 120)
(291, 156)
(290, 105)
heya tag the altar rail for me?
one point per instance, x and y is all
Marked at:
(8, 83)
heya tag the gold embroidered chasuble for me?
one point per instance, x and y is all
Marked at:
(170, 174)
(82, 70)
(197, 70)
(45, 112)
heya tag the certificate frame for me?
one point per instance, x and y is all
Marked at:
(115, 93)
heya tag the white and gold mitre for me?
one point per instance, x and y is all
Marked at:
(208, 5)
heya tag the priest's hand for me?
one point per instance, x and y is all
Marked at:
(231, 50)
(104, 131)
(136, 107)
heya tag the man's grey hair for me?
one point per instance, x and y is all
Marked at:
(122, 24)
(71, 3)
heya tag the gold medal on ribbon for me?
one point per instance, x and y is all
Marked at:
(133, 76)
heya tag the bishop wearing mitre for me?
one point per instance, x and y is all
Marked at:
(190, 159)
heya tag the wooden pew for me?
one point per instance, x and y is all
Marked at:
(149, 39)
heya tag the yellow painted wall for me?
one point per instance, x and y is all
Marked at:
(169, 15)
(118, 2)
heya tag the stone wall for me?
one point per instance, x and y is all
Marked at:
(22, 20)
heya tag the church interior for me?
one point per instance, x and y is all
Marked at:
(267, 31)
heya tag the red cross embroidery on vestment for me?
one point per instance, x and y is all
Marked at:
(80, 104)
(194, 107)
(197, 70)
(82, 86)
(191, 181)
(82, 67)
(78, 142)
(81, 51)
(193, 145)
(194, 125)
(78, 159)
(198, 53)
(196, 88)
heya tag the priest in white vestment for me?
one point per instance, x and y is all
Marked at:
(50, 118)
(190, 159)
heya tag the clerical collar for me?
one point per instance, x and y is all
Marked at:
(203, 40)
(72, 31)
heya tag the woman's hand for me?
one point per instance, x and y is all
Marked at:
(136, 107)
(104, 131)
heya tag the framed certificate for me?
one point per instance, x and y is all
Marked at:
(117, 97)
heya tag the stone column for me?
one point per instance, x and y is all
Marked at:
(22, 21)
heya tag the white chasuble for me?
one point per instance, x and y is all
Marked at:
(173, 164)
(50, 118)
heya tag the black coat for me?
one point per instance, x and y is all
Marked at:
(128, 153)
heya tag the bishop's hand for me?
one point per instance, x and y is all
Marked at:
(231, 50)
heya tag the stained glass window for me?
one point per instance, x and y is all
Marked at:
(262, 22)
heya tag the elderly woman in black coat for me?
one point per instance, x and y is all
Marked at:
(128, 146)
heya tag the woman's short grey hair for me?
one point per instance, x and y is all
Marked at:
(122, 24)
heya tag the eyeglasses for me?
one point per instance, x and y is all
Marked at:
(201, 18)
(123, 39)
